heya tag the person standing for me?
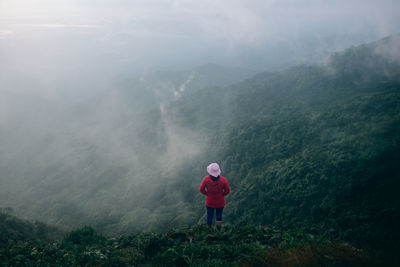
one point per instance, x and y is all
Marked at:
(215, 187)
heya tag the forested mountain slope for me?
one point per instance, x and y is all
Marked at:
(312, 146)
(317, 146)
(14, 229)
(311, 154)
(151, 90)
(87, 160)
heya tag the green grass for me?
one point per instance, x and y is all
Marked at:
(196, 246)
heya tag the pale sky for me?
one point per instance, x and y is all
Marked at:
(162, 34)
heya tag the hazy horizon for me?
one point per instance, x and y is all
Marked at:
(140, 36)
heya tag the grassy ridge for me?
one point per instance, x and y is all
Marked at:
(196, 246)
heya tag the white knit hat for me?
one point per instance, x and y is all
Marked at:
(213, 169)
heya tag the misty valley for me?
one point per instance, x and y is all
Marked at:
(311, 154)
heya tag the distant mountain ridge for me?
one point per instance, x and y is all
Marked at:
(162, 87)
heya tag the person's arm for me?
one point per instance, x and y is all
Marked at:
(203, 187)
(226, 189)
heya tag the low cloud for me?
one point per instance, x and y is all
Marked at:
(6, 33)
(55, 25)
(390, 49)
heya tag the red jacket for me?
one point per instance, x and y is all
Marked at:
(215, 191)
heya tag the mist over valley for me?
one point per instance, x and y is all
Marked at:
(111, 112)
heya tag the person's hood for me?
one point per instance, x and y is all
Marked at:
(214, 170)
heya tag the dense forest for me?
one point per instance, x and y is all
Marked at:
(316, 146)
(312, 147)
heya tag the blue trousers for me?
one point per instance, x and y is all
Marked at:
(210, 214)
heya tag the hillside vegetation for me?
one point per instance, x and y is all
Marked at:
(13, 229)
(196, 246)
(316, 146)
(311, 147)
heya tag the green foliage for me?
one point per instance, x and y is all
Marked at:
(83, 237)
(311, 147)
(326, 254)
(13, 230)
(196, 246)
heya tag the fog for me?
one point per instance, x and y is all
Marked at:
(137, 36)
(85, 87)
